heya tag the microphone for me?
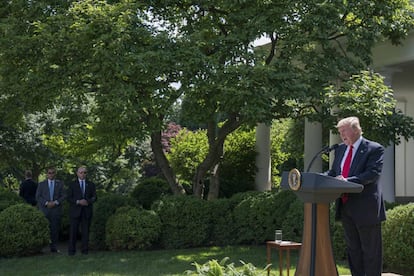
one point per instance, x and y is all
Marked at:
(324, 150)
(328, 149)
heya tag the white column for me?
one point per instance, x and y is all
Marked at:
(313, 144)
(333, 139)
(387, 180)
(263, 160)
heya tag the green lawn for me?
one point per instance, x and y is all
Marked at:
(151, 263)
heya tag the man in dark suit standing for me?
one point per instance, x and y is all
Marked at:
(28, 189)
(81, 196)
(360, 160)
(50, 197)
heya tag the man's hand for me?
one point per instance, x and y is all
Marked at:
(83, 202)
(51, 204)
(340, 177)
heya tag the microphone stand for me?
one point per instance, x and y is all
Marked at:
(325, 150)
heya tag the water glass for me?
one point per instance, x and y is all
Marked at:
(278, 236)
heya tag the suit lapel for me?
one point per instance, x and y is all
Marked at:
(362, 149)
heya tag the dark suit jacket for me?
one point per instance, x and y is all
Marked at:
(43, 195)
(367, 207)
(28, 191)
(74, 193)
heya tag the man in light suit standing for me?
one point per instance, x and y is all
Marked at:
(360, 160)
(81, 196)
(50, 197)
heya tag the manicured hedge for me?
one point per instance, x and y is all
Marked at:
(24, 231)
(132, 228)
(398, 237)
(185, 221)
(102, 210)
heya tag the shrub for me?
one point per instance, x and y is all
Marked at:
(102, 210)
(237, 169)
(222, 230)
(8, 198)
(398, 238)
(338, 240)
(132, 228)
(24, 230)
(292, 225)
(185, 221)
(257, 216)
(150, 190)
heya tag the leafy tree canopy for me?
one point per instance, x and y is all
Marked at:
(117, 67)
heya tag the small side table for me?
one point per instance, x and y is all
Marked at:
(283, 246)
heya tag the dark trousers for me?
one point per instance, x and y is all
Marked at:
(53, 216)
(84, 222)
(364, 246)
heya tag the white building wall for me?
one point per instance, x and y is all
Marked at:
(398, 64)
(403, 85)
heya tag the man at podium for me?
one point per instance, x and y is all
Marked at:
(360, 160)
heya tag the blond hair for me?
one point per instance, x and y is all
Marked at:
(352, 121)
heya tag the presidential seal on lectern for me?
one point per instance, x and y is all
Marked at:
(294, 179)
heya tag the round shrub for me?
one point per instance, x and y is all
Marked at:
(150, 190)
(8, 198)
(398, 239)
(102, 210)
(132, 228)
(24, 230)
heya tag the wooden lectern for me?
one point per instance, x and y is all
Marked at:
(316, 191)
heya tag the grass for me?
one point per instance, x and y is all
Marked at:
(151, 263)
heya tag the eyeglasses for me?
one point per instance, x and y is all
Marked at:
(83, 172)
(50, 172)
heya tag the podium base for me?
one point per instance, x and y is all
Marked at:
(316, 255)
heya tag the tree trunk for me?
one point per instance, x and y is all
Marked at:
(214, 188)
(216, 138)
(163, 163)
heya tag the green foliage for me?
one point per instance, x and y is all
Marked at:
(398, 238)
(215, 268)
(149, 190)
(221, 225)
(185, 221)
(391, 205)
(8, 198)
(237, 166)
(100, 67)
(365, 95)
(188, 149)
(292, 225)
(102, 210)
(24, 230)
(338, 240)
(284, 144)
(257, 216)
(132, 228)
(237, 169)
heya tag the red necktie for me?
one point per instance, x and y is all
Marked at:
(347, 163)
(345, 170)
